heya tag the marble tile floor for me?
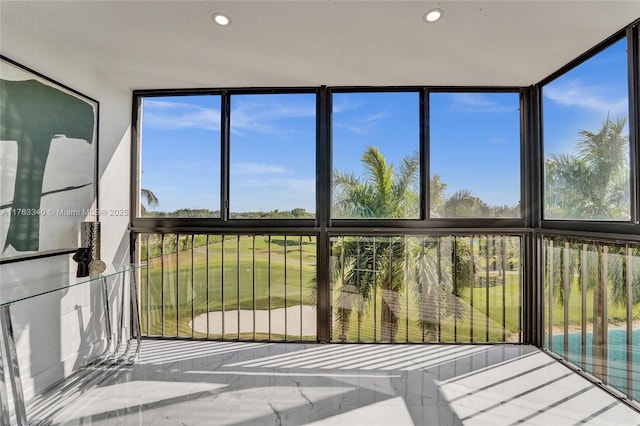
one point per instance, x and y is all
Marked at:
(242, 383)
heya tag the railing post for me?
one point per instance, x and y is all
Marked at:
(10, 356)
(323, 289)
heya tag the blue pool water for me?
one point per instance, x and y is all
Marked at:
(617, 356)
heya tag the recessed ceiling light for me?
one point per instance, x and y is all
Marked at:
(221, 19)
(433, 15)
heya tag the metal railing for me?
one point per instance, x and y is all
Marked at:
(464, 289)
(592, 308)
(253, 287)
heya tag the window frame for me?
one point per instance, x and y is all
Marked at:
(631, 34)
(404, 222)
(224, 222)
(524, 204)
(324, 170)
(425, 221)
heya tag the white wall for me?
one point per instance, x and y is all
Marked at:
(52, 331)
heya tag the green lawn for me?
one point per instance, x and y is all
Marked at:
(245, 274)
(236, 272)
(451, 329)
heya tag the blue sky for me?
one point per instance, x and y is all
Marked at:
(582, 98)
(181, 151)
(475, 138)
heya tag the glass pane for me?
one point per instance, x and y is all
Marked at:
(169, 282)
(185, 285)
(586, 140)
(474, 154)
(376, 144)
(616, 311)
(633, 326)
(426, 289)
(591, 305)
(230, 286)
(199, 290)
(215, 261)
(180, 156)
(243, 287)
(273, 156)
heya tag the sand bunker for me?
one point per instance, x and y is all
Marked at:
(283, 321)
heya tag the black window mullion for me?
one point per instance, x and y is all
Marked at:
(136, 160)
(633, 52)
(425, 171)
(225, 157)
(323, 212)
(534, 167)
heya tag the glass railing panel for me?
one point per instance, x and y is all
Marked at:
(169, 264)
(151, 284)
(633, 315)
(592, 306)
(184, 255)
(213, 321)
(143, 248)
(401, 288)
(277, 298)
(426, 289)
(230, 287)
(248, 287)
(199, 286)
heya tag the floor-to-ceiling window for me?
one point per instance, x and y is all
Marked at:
(591, 268)
(224, 272)
(209, 159)
(417, 214)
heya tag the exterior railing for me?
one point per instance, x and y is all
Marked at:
(253, 287)
(465, 289)
(592, 308)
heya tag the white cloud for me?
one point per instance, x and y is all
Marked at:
(247, 116)
(350, 127)
(575, 93)
(256, 168)
(477, 102)
(364, 124)
(375, 117)
(164, 115)
(260, 117)
(343, 103)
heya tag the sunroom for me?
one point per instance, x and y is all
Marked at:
(340, 212)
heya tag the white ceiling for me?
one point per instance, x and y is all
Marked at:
(174, 44)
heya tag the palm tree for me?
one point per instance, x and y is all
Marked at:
(149, 197)
(371, 263)
(592, 183)
(382, 193)
(368, 267)
(436, 196)
(441, 266)
(464, 204)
